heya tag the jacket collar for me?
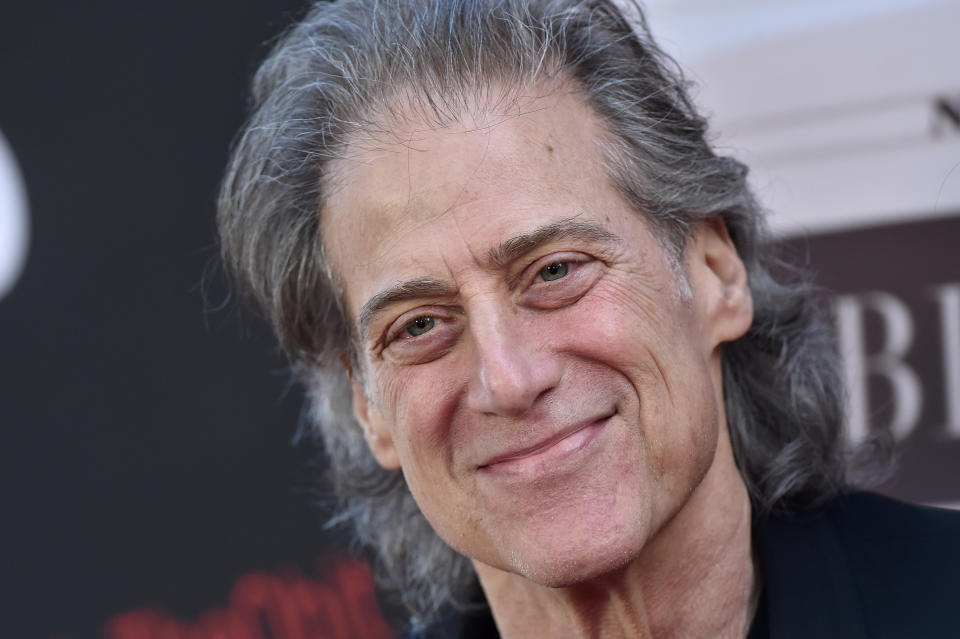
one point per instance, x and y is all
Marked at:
(809, 590)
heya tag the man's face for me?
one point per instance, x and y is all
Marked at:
(528, 357)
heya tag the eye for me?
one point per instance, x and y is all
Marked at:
(559, 279)
(420, 325)
(422, 335)
(554, 271)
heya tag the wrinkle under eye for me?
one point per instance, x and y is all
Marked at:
(554, 271)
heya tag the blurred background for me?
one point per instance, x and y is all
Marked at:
(150, 483)
(848, 114)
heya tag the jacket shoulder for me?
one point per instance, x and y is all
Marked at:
(905, 561)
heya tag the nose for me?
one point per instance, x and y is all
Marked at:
(514, 368)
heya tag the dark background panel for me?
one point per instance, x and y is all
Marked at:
(907, 264)
(147, 457)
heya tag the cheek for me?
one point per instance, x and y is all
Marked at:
(617, 327)
(649, 338)
(691, 446)
(422, 403)
(417, 403)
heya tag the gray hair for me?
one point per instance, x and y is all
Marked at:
(336, 75)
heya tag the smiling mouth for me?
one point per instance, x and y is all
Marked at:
(552, 449)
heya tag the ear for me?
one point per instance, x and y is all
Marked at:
(719, 280)
(371, 420)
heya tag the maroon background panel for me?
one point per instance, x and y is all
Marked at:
(895, 291)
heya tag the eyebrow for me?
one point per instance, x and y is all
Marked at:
(497, 257)
(399, 292)
(510, 249)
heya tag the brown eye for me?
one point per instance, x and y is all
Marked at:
(554, 271)
(420, 326)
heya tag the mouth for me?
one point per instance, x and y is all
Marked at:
(553, 449)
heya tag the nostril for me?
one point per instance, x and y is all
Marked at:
(513, 385)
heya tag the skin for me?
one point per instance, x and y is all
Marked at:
(548, 382)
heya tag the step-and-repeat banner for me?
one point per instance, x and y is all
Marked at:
(151, 487)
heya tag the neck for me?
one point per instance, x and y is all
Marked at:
(694, 578)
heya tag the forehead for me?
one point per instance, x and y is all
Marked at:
(427, 190)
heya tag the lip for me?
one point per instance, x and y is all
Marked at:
(555, 447)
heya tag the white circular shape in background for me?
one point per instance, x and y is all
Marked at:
(14, 219)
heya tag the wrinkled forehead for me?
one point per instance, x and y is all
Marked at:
(414, 128)
(534, 150)
(398, 120)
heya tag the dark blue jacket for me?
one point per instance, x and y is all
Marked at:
(863, 567)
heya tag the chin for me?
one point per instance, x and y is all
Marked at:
(580, 560)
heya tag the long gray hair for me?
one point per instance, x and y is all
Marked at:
(333, 78)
